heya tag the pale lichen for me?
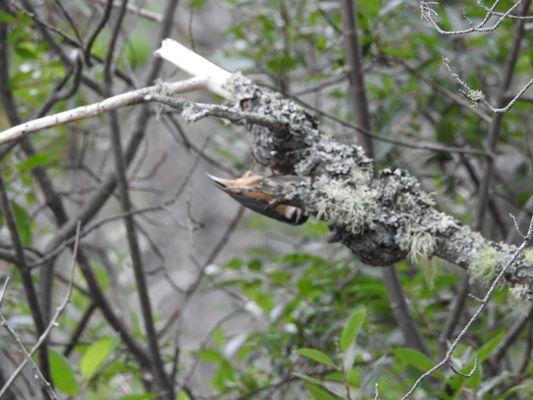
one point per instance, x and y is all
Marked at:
(485, 266)
(432, 268)
(528, 256)
(422, 246)
(342, 203)
(518, 295)
(381, 217)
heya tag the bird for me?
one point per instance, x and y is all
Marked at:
(247, 191)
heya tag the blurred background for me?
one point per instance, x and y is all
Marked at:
(236, 296)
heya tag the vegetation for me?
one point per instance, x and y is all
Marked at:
(177, 292)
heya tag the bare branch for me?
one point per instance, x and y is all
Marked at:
(428, 13)
(143, 12)
(484, 302)
(91, 110)
(27, 356)
(477, 96)
(25, 273)
(195, 65)
(45, 334)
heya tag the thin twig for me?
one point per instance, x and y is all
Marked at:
(96, 32)
(447, 358)
(476, 96)
(428, 13)
(91, 110)
(204, 344)
(25, 273)
(157, 363)
(44, 335)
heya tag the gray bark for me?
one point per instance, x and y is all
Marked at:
(381, 218)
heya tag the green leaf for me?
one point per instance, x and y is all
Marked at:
(138, 51)
(316, 355)
(101, 274)
(218, 337)
(26, 50)
(144, 396)
(415, 359)
(255, 265)
(182, 396)
(62, 374)
(35, 160)
(351, 330)
(96, 355)
(196, 4)
(320, 393)
(224, 376)
(348, 358)
(7, 18)
(22, 219)
(486, 350)
(210, 355)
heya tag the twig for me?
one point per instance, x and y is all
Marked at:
(71, 23)
(38, 374)
(437, 86)
(175, 315)
(96, 32)
(427, 14)
(397, 141)
(84, 320)
(25, 273)
(53, 252)
(91, 110)
(44, 335)
(203, 345)
(67, 226)
(484, 198)
(357, 91)
(510, 16)
(512, 334)
(143, 12)
(354, 60)
(476, 96)
(157, 365)
(484, 302)
(195, 65)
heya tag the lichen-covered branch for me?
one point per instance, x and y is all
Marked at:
(382, 219)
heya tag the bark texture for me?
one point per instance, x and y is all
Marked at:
(381, 219)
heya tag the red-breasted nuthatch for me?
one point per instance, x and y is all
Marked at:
(246, 190)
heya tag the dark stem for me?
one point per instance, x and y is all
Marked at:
(27, 280)
(354, 61)
(157, 363)
(82, 324)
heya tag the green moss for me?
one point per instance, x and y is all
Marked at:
(485, 266)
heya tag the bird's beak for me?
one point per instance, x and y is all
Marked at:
(221, 183)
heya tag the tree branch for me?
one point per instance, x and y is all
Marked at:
(382, 219)
(484, 302)
(92, 110)
(42, 339)
(358, 96)
(27, 280)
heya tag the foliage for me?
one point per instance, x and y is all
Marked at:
(301, 319)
